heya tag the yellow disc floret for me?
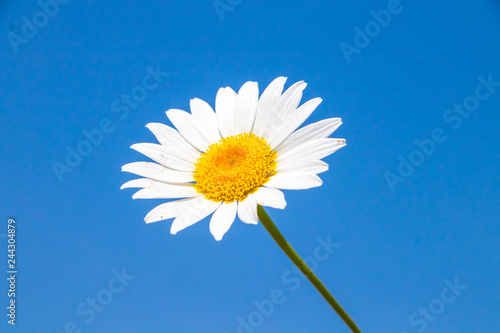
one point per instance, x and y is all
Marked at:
(234, 167)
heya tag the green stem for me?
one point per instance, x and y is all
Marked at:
(289, 251)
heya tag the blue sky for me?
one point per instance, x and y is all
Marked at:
(404, 231)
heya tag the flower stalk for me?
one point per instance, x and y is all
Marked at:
(290, 252)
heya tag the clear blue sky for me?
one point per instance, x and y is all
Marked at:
(401, 236)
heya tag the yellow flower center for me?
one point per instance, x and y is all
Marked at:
(234, 167)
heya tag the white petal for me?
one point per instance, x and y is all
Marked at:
(270, 197)
(310, 150)
(159, 190)
(247, 210)
(222, 219)
(291, 122)
(165, 156)
(307, 166)
(246, 107)
(158, 172)
(189, 127)
(171, 138)
(267, 101)
(286, 104)
(190, 214)
(168, 210)
(318, 130)
(294, 181)
(225, 104)
(137, 183)
(205, 115)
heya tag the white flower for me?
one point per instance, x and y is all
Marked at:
(226, 162)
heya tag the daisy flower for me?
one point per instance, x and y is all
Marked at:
(235, 160)
(229, 161)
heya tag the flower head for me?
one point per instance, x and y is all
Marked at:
(226, 162)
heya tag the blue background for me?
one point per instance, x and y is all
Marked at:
(396, 247)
